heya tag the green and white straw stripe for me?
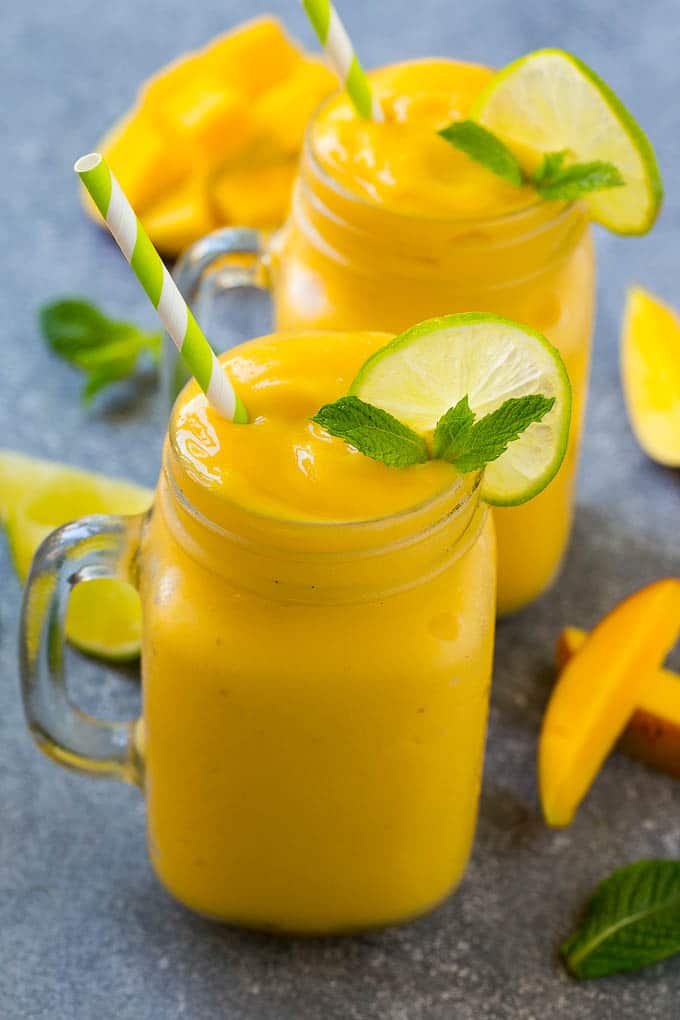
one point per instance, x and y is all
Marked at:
(159, 285)
(342, 57)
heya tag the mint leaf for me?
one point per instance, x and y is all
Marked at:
(632, 919)
(452, 432)
(472, 444)
(104, 349)
(550, 167)
(555, 181)
(484, 147)
(374, 432)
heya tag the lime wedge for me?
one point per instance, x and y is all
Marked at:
(36, 496)
(423, 372)
(550, 101)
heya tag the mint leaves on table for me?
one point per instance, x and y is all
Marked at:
(373, 432)
(458, 437)
(471, 444)
(484, 147)
(104, 349)
(632, 919)
(555, 179)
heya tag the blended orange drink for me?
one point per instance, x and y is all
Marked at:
(390, 225)
(318, 632)
(318, 594)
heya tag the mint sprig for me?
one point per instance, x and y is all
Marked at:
(372, 431)
(471, 444)
(484, 147)
(632, 919)
(105, 350)
(555, 179)
(458, 437)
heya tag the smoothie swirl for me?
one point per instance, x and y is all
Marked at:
(282, 464)
(401, 163)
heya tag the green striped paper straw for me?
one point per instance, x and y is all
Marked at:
(161, 289)
(342, 57)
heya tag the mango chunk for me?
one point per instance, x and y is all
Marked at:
(653, 734)
(598, 691)
(168, 81)
(215, 136)
(283, 112)
(258, 196)
(650, 369)
(180, 217)
(145, 166)
(253, 57)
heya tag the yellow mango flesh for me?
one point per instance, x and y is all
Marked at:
(180, 217)
(214, 137)
(254, 57)
(598, 691)
(653, 734)
(650, 368)
(254, 196)
(283, 112)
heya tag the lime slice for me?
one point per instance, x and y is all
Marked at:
(36, 496)
(423, 372)
(550, 101)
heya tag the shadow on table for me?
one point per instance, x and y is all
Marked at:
(605, 563)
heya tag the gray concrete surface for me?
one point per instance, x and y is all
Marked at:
(85, 930)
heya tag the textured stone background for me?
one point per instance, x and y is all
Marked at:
(85, 930)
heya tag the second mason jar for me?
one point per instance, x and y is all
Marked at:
(345, 259)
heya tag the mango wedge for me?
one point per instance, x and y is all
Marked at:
(214, 138)
(598, 691)
(650, 369)
(653, 734)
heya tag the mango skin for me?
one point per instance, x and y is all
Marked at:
(214, 138)
(653, 734)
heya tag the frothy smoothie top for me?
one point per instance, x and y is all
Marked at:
(282, 464)
(402, 163)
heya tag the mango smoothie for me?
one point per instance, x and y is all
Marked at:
(317, 646)
(390, 224)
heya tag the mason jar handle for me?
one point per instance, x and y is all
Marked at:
(201, 271)
(193, 264)
(85, 550)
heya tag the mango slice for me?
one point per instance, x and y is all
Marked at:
(650, 369)
(598, 691)
(653, 734)
(214, 137)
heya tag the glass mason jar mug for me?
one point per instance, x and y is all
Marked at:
(342, 262)
(314, 698)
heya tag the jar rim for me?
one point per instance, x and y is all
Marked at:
(299, 567)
